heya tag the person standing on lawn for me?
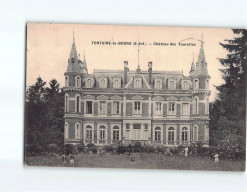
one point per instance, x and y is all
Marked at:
(71, 160)
(64, 159)
(186, 151)
(132, 158)
(216, 158)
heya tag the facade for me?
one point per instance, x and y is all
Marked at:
(163, 107)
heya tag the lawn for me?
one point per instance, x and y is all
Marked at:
(143, 161)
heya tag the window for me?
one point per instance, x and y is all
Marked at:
(195, 133)
(89, 107)
(77, 131)
(185, 108)
(77, 108)
(66, 131)
(137, 83)
(137, 107)
(185, 85)
(102, 107)
(116, 83)
(77, 81)
(171, 133)
(102, 83)
(115, 133)
(89, 132)
(171, 108)
(207, 84)
(206, 106)
(196, 84)
(184, 134)
(116, 107)
(127, 126)
(158, 108)
(102, 130)
(136, 131)
(195, 106)
(146, 126)
(66, 103)
(206, 133)
(89, 83)
(157, 134)
(172, 85)
(158, 84)
(66, 81)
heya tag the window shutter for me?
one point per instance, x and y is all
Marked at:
(95, 108)
(178, 109)
(164, 109)
(109, 108)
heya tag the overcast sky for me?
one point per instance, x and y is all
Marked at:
(49, 45)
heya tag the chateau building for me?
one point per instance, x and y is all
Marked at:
(163, 107)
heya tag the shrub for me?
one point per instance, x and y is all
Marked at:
(108, 148)
(148, 149)
(121, 149)
(70, 149)
(80, 148)
(53, 148)
(92, 148)
(138, 147)
(160, 149)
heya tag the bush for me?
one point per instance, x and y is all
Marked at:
(160, 149)
(53, 148)
(92, 148)
(80, 148)
(108, 148)
(121, 149)
(70, 149)
(148, 149)
(138, 147)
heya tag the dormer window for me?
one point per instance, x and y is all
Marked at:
(116, 83)
(158, 84)
(89, 83)
(172, 85)
(138, 83)
(103, 83)
(185, 85)
(77, 81)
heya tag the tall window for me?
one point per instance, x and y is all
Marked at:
(158, 84)
(77, 81)
(195, 133)
(116, 107)
(171, 108)
(89, 132)
(66, 103)
(137, 107)
(115, 133)
(185, 85)
(196, 84)
(77, 103)
(171, 134)
(185, 108)
(184, 134)
(66, 81)
(196, 105)
(172, 85)
(89, 83)
(136, 131)
(207, 84)
(116, 83)
(206, 106)
(89, 107)
(77, 131)
(102, 107)
(102, 83)
(157, 134)
(102, 130)
(66, 131)
(157, 108)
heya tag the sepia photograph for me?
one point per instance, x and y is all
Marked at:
(135, 97)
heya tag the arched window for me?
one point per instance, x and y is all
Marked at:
(66, 103)
(78, 103)
(66, 131)
(185, 85)
(184, 137)
(89, 83)
(195, 133)
(102, 132)
(172, 85)
(196, 84)
(157, 134)
(115, 132)
(77, 81)
(206, 106)
(77, 131)
(102, 83)
(66, 81)
(196, 105)
(171, 134)
(89, 132)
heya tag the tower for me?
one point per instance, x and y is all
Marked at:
(200, 95)
(73, 95)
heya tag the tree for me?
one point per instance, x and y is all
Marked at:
(227, 113)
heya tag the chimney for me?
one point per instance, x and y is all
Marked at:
(150, 72)
(126, 70)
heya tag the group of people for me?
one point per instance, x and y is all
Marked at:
(71, 159)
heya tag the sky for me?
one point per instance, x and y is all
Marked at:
(49, 45)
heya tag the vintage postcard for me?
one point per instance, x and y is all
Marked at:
(136, 97)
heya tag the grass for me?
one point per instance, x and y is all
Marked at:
(143, 161)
